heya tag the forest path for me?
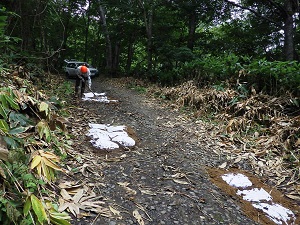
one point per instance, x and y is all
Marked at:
(164, 179)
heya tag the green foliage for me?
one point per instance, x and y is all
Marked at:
(19, 179)
(212, 70)
(273, 77)
(138, 88)
(169, 77)
(9, 213)
(6, 42)
(65, 89)
(12, 122)
(3, 19)
(31, 182)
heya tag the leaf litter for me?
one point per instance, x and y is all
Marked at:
(266, 150)
(81, 198)
(262, 130)
(260, 133)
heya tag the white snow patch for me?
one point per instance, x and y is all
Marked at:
(255, 195)
(97, 97)
(258, 198)
(109, 137)
(115, 128)
(277, 213)
(237, 180)
(124, 140)
(104, 144)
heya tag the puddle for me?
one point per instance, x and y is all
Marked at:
(109, 137)
(97, 97)
(260, 202)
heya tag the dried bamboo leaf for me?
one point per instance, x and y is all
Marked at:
(138, 217)
(78, 195)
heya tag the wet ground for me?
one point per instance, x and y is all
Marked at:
(170, 176)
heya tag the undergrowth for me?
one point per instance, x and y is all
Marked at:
(33, 143)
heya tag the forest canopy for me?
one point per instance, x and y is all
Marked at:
(164, 41)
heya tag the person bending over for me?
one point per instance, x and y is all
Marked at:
(83, 76)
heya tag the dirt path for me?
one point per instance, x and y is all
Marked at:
(164, 178)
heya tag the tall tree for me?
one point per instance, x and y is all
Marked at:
(148, 12)
(280, 13)
(87, 20)
(109, 55)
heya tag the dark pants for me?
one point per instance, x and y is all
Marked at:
(77, 85)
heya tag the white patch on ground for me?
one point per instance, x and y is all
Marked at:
(237, 180)
(97, 97)
(258, 197)
(109, 137)
(277, 213)
(255, 195)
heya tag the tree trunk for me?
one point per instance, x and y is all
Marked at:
(148, 20)
(109, 56)
(26, 27)
(116, 59)
(149, 40)
(129, 55)
(290, 9)
(87, 31)
(66, 21)
(192, 30)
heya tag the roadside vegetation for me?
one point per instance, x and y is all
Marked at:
(217, 60)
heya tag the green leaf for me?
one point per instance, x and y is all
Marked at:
(20, 118)
(3, 18)
(27, 207)
(12, 102)
(38, 209)
(4, 126)
(12, 212)
(3, 112)
(3, 101)
(13, 142)
(59, 221)
(18, 130)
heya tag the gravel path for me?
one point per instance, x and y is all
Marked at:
(163, 178)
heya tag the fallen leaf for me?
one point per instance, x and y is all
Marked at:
(238, 159)
(180, 181)
(294, 197)
(78, 195)
(128, 190)
(65, 194)
(115, 212)
(2, 173)
(138, 217)
(223, 165)
(147, 192)
(280, 181)
(3, 149)
(178, 175)
(123, 184)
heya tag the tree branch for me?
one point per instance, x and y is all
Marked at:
(254, 12)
